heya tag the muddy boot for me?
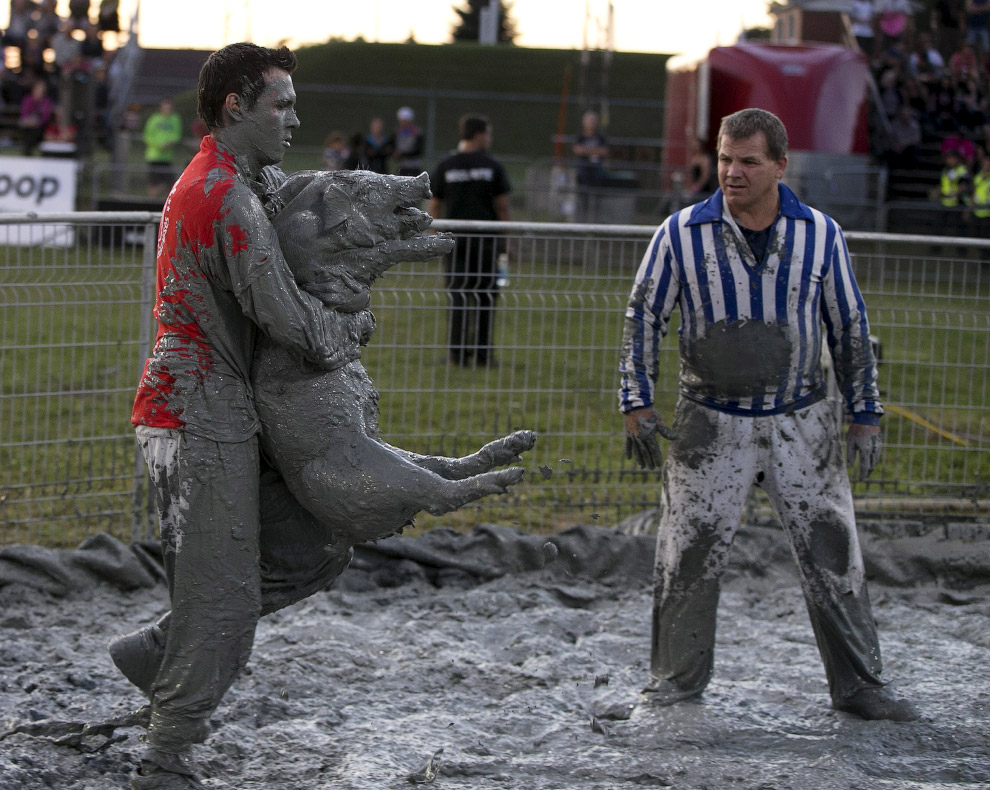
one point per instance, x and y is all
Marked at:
(138, 656)
(877, 702)
(664, 692)
(164, 771)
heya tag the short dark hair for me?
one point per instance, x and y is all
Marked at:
(473, 125)
(237, 68)
(746, 123)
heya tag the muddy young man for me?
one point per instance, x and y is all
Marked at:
(757, 276)
(221, 281)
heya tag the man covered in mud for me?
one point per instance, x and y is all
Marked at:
(222, 281)
(756, 275)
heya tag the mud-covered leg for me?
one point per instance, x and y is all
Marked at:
(706, 478)
(809, 488)
(364, 490)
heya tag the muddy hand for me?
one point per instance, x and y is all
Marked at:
(863, 441)
(642, 427)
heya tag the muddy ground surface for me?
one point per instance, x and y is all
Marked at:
(526, 677)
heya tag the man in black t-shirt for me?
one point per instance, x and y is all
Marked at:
(470, 184)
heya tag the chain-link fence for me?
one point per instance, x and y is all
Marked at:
(75, 326)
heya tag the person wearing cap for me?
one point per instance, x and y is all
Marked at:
(407, 143)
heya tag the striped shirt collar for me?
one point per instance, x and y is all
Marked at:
(713, 210)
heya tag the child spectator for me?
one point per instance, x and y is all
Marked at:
(36, 113)
(335, 152)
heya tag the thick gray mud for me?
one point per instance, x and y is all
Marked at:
(529, 680)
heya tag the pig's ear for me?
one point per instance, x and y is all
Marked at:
(410, 191)
(336, 207)
(298, 191)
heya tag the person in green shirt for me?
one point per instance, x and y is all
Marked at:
(162, 131)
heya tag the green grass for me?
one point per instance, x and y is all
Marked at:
(69, 361)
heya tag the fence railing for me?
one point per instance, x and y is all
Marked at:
(75, 326)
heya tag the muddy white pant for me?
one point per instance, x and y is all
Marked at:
(235, 545)
(797, 460)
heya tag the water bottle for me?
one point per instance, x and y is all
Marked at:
(502, 275)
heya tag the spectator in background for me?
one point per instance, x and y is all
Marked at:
(355, 150)
(101, 107)
(963, 62)
(92, 45)
(64, 45)
(701, 170)
(591, 148)
(894, 18)
(953, 192)
(33, 58)
(47, 22)
(905, 140)
(940, 106)
(970, 107)
(914, 94)
(980, 219)
(59, 138)
(961, 145)
(79, 14)
(890, 94)
(407, 143)
(335, 151)
(36, 113)
(947, 24)
(376, 148)
(470, 184)
(20, 24)
(108, 19)
(926, 62)
(162, 131)
(978, 26)
(862, 24)
(197, 131)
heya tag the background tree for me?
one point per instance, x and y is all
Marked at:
(468, 27)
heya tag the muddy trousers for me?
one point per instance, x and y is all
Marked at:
(471, 276)
(235, 545)
(797, 460)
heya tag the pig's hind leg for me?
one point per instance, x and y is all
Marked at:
(366, 490)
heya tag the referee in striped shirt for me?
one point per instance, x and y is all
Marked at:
(756, 275)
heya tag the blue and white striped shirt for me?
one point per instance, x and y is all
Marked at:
(751, 331)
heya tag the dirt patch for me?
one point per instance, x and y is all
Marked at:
(525, 678)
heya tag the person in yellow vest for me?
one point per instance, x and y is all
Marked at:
(981, 192)
(954, 188)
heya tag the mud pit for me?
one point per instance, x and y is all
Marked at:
(521, 663)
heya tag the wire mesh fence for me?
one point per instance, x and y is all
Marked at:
(75, 327)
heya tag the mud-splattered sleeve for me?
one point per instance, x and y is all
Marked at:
(651, 302)
(267, 292)
(848, 335)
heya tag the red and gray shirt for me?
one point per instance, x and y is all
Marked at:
(221, 278)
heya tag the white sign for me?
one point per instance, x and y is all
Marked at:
(40, 185)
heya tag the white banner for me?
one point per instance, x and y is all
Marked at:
(39, 184)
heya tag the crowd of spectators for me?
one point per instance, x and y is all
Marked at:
(378, 150)
(933, 89)
(55, 74)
